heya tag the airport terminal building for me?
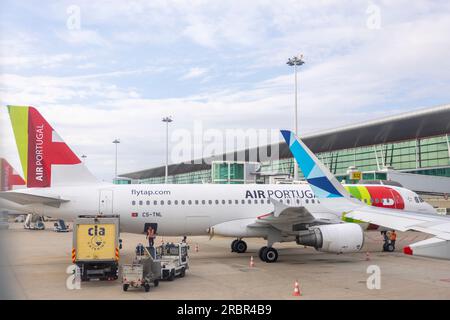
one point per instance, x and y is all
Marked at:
(411, 143)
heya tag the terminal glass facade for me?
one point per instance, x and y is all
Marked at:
(430, 156)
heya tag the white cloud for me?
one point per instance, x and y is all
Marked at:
(351, 73)
(194, 72)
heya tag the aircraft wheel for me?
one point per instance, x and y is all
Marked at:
(241, 246)
(233, 245)
(125, 287)
(270, 255)
(260, 253)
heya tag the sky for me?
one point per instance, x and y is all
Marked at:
(100, 70)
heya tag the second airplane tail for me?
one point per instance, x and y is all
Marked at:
(323, 183)
(46, 159)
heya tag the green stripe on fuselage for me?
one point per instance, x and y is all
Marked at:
(361, 193)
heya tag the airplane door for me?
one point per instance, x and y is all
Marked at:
(105, 202)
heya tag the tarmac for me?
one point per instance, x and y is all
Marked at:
(36, 264)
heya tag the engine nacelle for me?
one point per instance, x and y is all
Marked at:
(336, 238)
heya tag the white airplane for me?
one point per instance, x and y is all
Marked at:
(333, 195)
(60, 186)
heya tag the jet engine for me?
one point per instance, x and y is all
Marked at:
(336, 238)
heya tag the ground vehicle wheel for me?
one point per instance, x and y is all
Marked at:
(390, 248)
(182, 272)
(125, 287)
(270, 255)
(146, 287)
(156, 282)
(241, 246)
(260, 253)
(233, 245)
(172, 276)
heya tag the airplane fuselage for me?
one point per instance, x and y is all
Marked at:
(189, 209)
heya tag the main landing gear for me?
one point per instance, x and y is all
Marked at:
(268, 254)
(238, 246)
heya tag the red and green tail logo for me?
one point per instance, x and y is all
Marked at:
(9, 178)
(39, 146)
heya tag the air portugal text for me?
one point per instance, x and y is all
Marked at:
(285, 194)
(38, 154)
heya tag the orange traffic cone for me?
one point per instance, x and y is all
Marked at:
(196, 248)
(296, 290)
(367, 256)
(252, 263)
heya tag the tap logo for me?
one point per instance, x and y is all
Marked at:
(97, 234)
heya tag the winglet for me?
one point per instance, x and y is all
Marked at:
(322, 181)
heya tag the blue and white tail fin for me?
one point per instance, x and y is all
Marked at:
(322, 181)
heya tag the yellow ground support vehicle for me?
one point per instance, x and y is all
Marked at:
(96, 247)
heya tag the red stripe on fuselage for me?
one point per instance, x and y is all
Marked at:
(385, 197)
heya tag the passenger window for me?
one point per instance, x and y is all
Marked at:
(182, 202)
(148, 202)
(223, 202)
(236, 201)
(312, 201)
(243, 201)
(288, 201)
(133, 203)
(140, 203)
(210, 202)
(298, 201)
(169, 202)
(268, 201)
(306, 201)
(189, 202)
(204, 202)
(162, 202)
(155, 203)
(256, 201)
(196, 202)
(176, 202)
(249, 201)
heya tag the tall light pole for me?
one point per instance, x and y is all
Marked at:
(116, 142)
(295, 61)
(167, 120)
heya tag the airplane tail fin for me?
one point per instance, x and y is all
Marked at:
(9, 178)
(46, 159)
(323, 183)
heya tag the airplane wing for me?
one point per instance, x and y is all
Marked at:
(26, 198)
(284, 217)
(406, 220)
